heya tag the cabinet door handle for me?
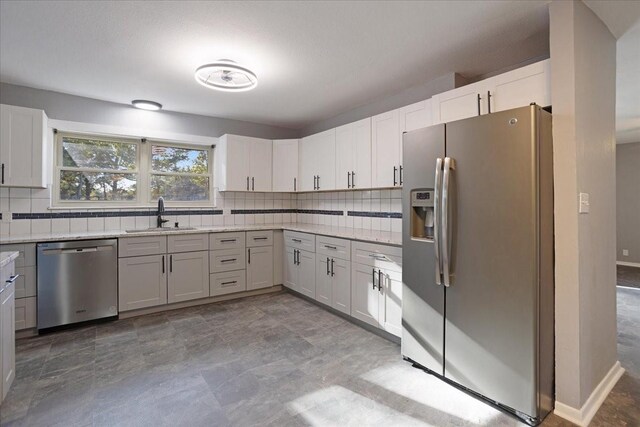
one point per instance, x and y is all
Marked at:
(380, 281)
(479, 99)
(3, 173)
(253, 182)
(318, 182)
(314, 182)
(348, 179)
(401, 180)
(489, 100)
(247, 183)
(229, 260)
(13, 278)
(229, 283)
(170, 263)
(373, 278)
(297, 240)
(298, 256)
(294, 184)
(395, 181)
(328, 272)
(249, 260)
(332, 261)
(353, 179)
(162, 264)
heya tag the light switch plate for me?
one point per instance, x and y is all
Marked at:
(625, 252)
(584, 203)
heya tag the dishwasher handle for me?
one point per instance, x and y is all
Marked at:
(77, 250)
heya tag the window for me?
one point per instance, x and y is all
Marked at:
(96, 170)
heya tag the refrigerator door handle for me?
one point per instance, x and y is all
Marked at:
(436, 221)
(449, 164)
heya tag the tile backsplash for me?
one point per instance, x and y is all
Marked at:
(367, 209)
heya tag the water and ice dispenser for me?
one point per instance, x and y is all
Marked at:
(422, 214)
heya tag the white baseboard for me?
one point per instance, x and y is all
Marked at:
(629, 264)
(584, 415)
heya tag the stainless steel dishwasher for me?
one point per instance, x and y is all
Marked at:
(77, 281)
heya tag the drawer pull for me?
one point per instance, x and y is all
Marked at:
(379, 257)
(331, 247)
(227, 240)
(13, 278)
(297, 240)
(229, 283)
(229, 260)
(260, 238)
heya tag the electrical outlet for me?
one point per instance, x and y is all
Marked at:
(625, 252)
(6, 217)
(584, 203)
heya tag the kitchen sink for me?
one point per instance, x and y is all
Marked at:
(156, 229)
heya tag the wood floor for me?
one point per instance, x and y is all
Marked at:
(270, 360)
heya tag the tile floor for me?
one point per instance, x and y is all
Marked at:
(628, 276)
(270, 360)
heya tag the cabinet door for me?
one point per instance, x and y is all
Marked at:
(188, 276)
(385, 149)
(307, 164)
(291, 269)
(391, 302)
(353, 155)
(259, 267)
(142, 282)
(285, 165)
(307, 274)
(364, 297)
(8, 338)
(341, 285)
(415, 116)
(232, 163)
(22, 142)
(521, 87)
(260, 159)
(323, 279)
(325, 149)
(459, 103)
(345, 156)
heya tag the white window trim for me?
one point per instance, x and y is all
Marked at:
(143, 191)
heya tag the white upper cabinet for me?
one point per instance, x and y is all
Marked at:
(23, 137)
(385, 149)
(412, 117)
(243, 163)
(353, 155)
(513, 89)
(317, 166)
(285, 165)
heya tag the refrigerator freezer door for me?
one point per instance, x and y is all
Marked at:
(491, 317)
(422, 298)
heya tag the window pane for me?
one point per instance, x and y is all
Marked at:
(93, 153)
(180, 188)
(172, 159)
(95, 186)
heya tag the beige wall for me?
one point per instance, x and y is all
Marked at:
(583, 63)
(628, 201)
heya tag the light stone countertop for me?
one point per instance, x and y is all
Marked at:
(371, 236)
(7, 257)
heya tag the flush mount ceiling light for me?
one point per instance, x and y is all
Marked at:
(226, 75)
(146, 105)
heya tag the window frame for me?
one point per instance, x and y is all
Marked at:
(143, 171)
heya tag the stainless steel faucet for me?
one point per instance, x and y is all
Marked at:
(160, 212)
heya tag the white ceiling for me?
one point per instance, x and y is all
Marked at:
(314, 60)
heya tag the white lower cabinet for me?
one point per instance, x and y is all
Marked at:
(390, 311)
(142, 282)
(365, 303)
(341, 286)
(299, 273)
(291, 268)
(188, 276)
(227, 282)
(259, 267)
(323, 279)
(333, 273)
(26, 313)
(7, 338)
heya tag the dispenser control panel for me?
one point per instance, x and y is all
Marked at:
(422, 198)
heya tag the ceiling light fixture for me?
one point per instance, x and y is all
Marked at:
(226, 75)
(146, 105)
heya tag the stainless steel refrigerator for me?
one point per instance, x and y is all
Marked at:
(477, 227)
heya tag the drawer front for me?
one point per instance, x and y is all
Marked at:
(333, 247)
(188, 243)
(226, 241)
(304, 241)
(25, 313)
(142, 246)
(379, 256)
(26, 256)
(259, 238)
(26, 283)
(227, 283)
(226, 260)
